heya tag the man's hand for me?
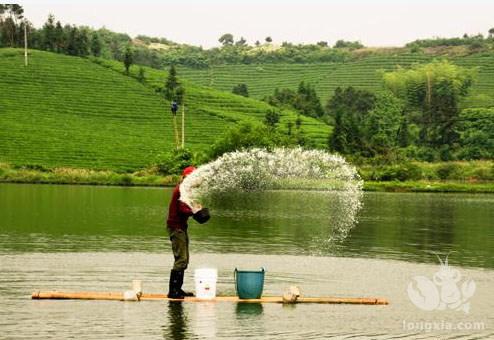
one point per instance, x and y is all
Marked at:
(196, 207)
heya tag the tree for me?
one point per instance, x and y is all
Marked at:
(241, 90)
(337, 140)
(322, 43)
(174, 93)
(476, 133)
(173, 90)
(82, 42)
(248, 135)
(241, 42)
(403, 133)
(298, 122)
(141, 75)
(179, 94)
(289, 126)
(272, 118)
(226, 39)
(77, 41)
(59, 36)
(268, 40)
(128, 58)
(349, 107)
(96, 44)
(10, 16)
(432, 93)
(307, 101)
(352, 45)
(491, 32)
(49, 41)
(72, 47)
(382, 124)
(171, 82)
(282, 98)
(173, 163)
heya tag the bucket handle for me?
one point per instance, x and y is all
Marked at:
(235, 279)
(236, 270)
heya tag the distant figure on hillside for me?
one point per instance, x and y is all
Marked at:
(174, 108)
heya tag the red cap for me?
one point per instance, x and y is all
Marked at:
(188, 170)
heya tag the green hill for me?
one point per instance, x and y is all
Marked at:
(364, 73)
(69, 111)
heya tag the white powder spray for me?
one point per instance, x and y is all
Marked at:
(259, 170)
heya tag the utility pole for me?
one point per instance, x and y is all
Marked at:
(174, 108)
(183, 124)
(429, 88)
(25, 43)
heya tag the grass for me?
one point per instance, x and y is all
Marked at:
(71, 112)
(462, 171)
(10, 174)
(68, 112)
(224, 105)
(363, 73)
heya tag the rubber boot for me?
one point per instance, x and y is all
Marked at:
(174, 286)
(181, 282)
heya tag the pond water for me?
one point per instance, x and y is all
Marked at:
(88, 238)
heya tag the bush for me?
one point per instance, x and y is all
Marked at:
(445, 153)
(476, 134)
(352, 45)
(173, 163)
(126, 179)
(449, 171)
(36, 167)
(372, 169)
(400, 172)
(483, 174)
(246, 135)
(241, 90)
(427, 154)
(249, 135)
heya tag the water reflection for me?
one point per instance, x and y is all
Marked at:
(205, 320)
(44, 218)
(176, 328)
(250, 316)
(248, 310)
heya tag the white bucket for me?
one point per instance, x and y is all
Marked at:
(205, 279)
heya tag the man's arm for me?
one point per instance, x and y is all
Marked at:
(185, 209)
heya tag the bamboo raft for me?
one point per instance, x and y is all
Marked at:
(160, 297)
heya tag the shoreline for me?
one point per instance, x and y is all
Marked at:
(109, 178)
(430, 186)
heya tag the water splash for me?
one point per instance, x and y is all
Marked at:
(338, 185)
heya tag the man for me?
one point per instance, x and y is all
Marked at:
(178, 214)
(174, 108)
